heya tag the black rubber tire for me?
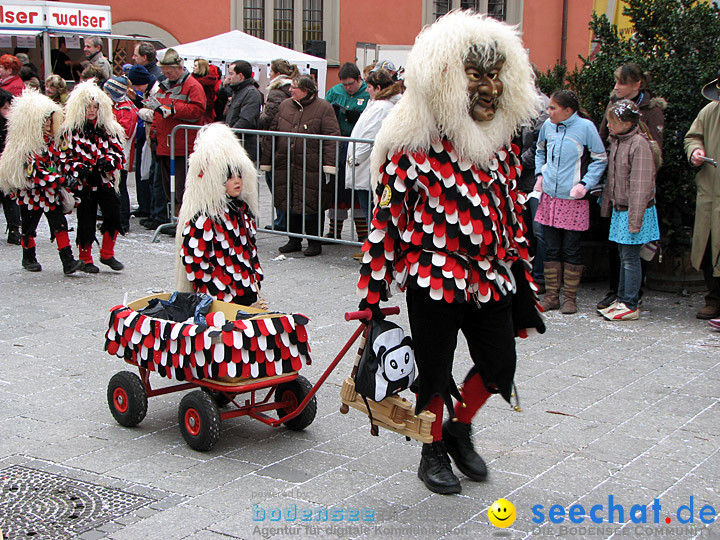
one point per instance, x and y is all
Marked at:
(127, 398)
(199, 420)
(220, 399)
(300, 388)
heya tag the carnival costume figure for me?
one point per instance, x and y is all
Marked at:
(90, 148)
(28, 172)
(215, 238)
(448, 227)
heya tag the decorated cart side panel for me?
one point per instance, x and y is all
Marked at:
(257, 345)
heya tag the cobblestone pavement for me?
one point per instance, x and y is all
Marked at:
(615, 415)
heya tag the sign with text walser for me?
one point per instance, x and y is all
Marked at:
(74, 17)
(27, 16)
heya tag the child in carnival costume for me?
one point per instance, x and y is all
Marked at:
(28, 172)
(90, 147)
(215, 238)
(448, 227)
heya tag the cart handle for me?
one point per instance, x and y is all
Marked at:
(367, 314)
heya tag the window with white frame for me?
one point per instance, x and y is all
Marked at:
(503, 10)
(291, 23)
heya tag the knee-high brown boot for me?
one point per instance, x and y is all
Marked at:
(571, 280)
(551, 300)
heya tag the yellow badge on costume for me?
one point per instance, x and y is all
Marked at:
(386, 195)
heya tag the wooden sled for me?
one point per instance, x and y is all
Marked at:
(394, 413)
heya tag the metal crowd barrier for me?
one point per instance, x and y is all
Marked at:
(273, 136)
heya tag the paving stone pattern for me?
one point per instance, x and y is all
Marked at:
(623, 410)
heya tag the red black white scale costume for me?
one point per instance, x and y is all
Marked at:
(448, 228)
(215, 241)
(91, 154)
(220, 255)
(29, 173)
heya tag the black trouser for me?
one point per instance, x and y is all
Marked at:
(12, 211)
(124, 199)
(490, 336)
(179, 178)
(30, 219)
(104, 197)
(311, 224)
(711, 282)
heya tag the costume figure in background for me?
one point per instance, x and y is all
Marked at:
(448, 226)
(90, 149)
(215, 239)
(28, 173)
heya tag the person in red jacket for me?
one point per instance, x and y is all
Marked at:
(9, 78)
(180, 99)
(209, 77)
(126, 114)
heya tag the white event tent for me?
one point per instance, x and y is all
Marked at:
(224, 49)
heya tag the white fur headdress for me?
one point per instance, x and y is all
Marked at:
(25, 136)
(83, 95)
(436, 102)
(216, 153)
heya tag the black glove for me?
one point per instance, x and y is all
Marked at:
(106, 165)
(337, 108)
(377, 314)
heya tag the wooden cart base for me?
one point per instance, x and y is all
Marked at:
(394, 413)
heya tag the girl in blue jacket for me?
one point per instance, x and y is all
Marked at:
(569, 161)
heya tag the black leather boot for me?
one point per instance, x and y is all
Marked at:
(456, 436)
(294, 244)
(29, 261)
(70, 264)
(435, 470)
(314, 248)
(113, 263)
(14, 236)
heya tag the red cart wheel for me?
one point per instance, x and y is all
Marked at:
(293, 393)
(199, 420)
(127, 398)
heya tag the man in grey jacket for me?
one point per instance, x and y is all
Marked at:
(93, 52)
(244, 109)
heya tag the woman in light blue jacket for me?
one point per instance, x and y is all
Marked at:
(569, 161)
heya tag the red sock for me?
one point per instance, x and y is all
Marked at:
(85, 254)
(474, 396)
(436, 406)
(29, 243)
(62, 240)
(107, 251)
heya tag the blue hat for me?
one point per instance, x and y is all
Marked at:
(139, 75)
(116, 88)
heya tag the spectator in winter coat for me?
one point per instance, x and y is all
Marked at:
(209, 80)
(564, 141)
(145, 55)
(180, 99)
(93, 52)
(282, 73)
(244, 109)
(9, 75)
(305, 113)
(126, 114)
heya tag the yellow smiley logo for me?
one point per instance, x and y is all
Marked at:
(502, 513)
